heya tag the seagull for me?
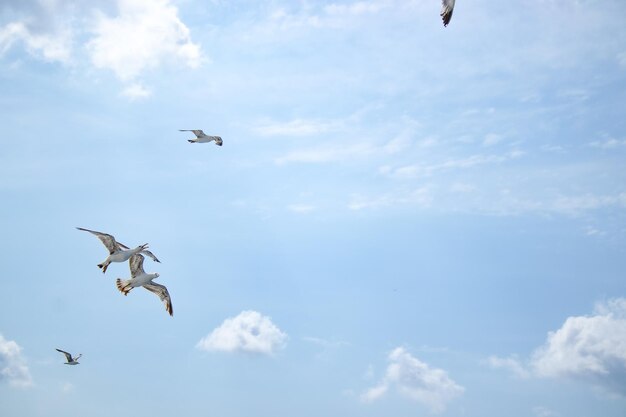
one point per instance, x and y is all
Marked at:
(139, 278)
(70, 360)
(447, 7)
(118, 252)
(202, 138)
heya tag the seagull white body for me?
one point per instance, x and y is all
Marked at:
(447, 7)
(118, 252)
(70, 360)
(139, 278)
(201, 137)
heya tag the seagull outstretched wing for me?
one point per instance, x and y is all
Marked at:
(106, 239)
(447, 7)
(68, 356)
(163, 294)
(198, 132)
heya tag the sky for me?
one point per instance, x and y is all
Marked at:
(404, 219)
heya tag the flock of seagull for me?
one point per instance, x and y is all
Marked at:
(119, 252)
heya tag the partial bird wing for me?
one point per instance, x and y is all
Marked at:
(136, 265)
(145, 252)
(78, 357)
(150, 255)
(106, 239)
(447, 7)
(199, 133)
(68, 356)
(163, 294)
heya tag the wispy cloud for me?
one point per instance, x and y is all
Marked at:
(249, 331)
(301, 208)
(67, 387)
(326, 344)
(13, 368)
(492, 139)
(296, 127)
(421, 197)
(573, 205)
(53, 45)
(621, 59)
(333, 15)
(611, 143)
(331, 153)
(540, 411)
(425, 170)
(415, 380)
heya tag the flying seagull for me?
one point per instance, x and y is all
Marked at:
(118, 252)
(447, 6)
(202, 138)
(70, 360)
(139, 278)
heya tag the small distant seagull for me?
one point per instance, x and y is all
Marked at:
(139, 278)
(118, 252)
(202, 138)
(70, 360)
(447, 7)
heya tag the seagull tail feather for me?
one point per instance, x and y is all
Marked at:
(191, 141)
(123, 285)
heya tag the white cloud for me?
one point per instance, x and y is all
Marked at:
(297, 127)
(67, 388)
(512, 364)
(300, 208)
(611, 143)
(621, 59)
(415, 380)
(423, 170)
(136, 91)
(51, 46)
(145, 34)
(574, 205)
(398, 144)
(326, 154)
(356, 8)
(326, 344)
(248, 332)
(462, 188)
(338, 149)
(492, 139)
(330, 16)
(541, 411)
(13, 366)
(421, 197)
(592, 231)
(590, 349)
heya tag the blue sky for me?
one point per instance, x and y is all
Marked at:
(404, 219)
